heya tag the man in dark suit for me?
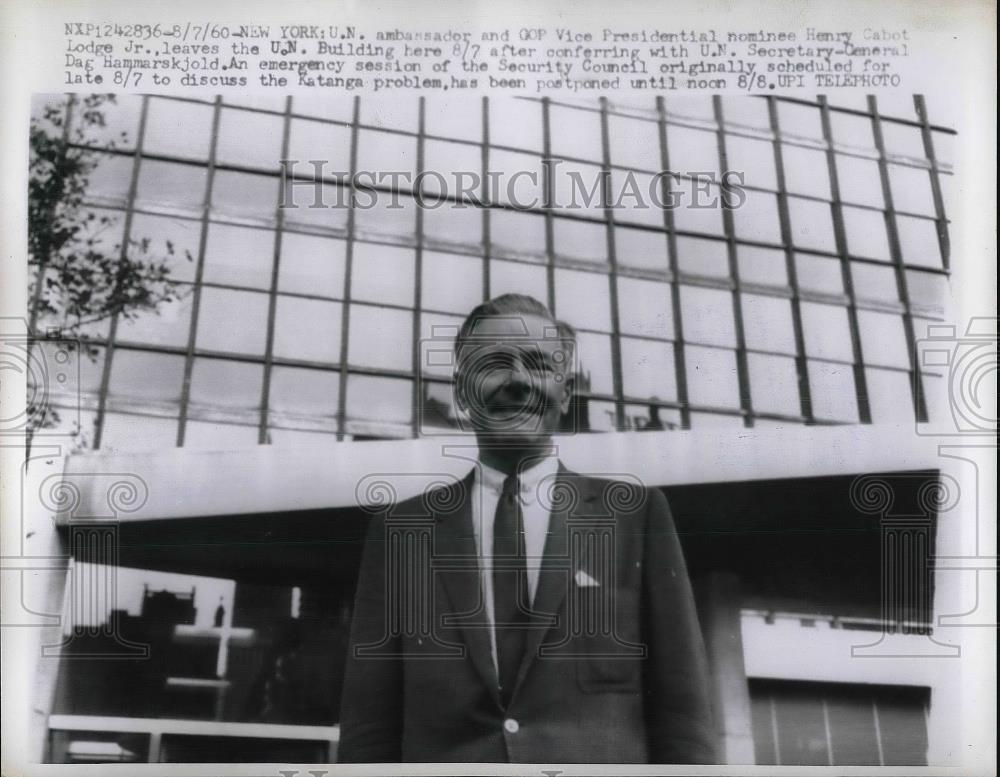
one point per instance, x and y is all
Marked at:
(525, 613)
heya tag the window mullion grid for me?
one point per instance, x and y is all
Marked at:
(126, 237)
(609, 217)
(199, 276)
(549, 194)
(345, 318)
(944, 242)
(742, 369)
(840, 238)
(484, 197)
(784, 216)
(418, 276)
(916, 379)
(272, 302)
(680, 366)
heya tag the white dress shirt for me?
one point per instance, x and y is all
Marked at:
(486, 490)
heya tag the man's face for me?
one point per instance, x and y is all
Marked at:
(515, 379)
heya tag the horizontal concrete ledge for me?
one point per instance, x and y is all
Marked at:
(180, 483)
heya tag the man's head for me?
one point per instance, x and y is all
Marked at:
(514, 371)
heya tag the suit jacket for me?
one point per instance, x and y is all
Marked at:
(614, 668)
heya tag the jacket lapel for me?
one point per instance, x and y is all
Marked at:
(456, 560)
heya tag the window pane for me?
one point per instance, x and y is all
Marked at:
(226, 385)
(451, 282)
(903, 729)
(852, 731)
(692, 106)
(803, 731)
(874, 282)
(757, 218)
(249, 139)
(168, 324)
(765, 266)
(644, 308)
(144, 376)
(329, 143)
(171, 185)
(801, 121)
(311, 265)
(890, 396)
(806, 171)
(761, 725)
(307, 329)
(272, 103)
(437, 344)
(176, 128)
(637, 198)
(634, 143)
(454, 117)
(449, 167)
(859, 181)
(883, 341)
(715, 421)
(234, 321)
(580, 240)
(833, 392)
(826, 331)
(382, 273)
(852, 130)
(696, 210)
(812, 224)
(753, 158)
(239, 256)
(774, 384)
(918, 242)
(326, 106)
(380, 337)
(595, 361)
(388, 151)
(298, 395)
(172, 240)
(928, 290)
(516, 123)
(401, 112)
(708, 316)
(648, 369)
(601, 416)
(242, 195)
(903, 139)
(767, 323)
(388, 400)
(575, 132)
(389, 215)
(696, 256)
(582, 299)
(518, 278)
(516, 179)
(641, 248)
(651, 418)
(453, 224)
(711, 377)
(514, 233)
(746, 111)
(693, 150)
(819, 273)
(319, 206)
(580, 188)
(911, 190)
(866, 235)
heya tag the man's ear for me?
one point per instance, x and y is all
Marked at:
(568, 388)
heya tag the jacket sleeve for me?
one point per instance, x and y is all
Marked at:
(371, 709)
(679, 718)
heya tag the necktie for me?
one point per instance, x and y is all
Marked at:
(510, 586)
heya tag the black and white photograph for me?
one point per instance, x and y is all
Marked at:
(421, 428)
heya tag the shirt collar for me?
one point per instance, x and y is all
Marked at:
(531, 477)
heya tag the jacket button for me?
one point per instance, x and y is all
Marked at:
(511, 725)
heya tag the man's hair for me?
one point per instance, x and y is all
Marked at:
(511, 305)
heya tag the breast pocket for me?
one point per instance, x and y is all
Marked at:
(606, 641)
